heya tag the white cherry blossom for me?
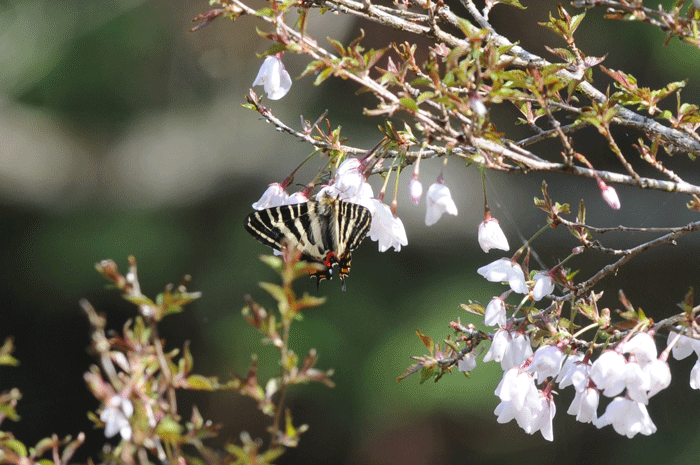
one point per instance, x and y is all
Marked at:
(274, 78)
(546, 363)
(416, 190)
(608, 373)
(695, 376)
(495, 313)
(575, 372)
(510, 350)
(274, 196)
(642, 347)
(295, 198)
(490, 235)
(627, 417)
(684, 346)
(544, 285)
(585, 405)
(116, 416)
(505, 270)
(386, 228)
(467, 362)
(439, 201)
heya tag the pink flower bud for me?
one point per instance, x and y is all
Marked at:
(609, 195)
(416, 189)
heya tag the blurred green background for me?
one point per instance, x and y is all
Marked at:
(122, 133)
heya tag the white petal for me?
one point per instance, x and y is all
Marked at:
(439, 201)
(491, 236)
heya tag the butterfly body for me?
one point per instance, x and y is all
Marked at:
(324, 231)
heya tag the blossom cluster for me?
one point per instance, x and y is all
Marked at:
(630, 373)
(640, 375)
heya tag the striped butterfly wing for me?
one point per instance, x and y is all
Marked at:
(326, 231)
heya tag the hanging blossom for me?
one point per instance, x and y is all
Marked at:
(116, 416)
(546, 363)
(349, 184)
(682, 348)
(510, 350)
(544, 285)
(646, 375)
(576, 372)
(490, 235)
(505, 270)
(627, 417)
(439, 201)
(274, 78)
(609, 195)
(643, 376)
(387, 230)
(415, 188)
(533, 410)
(297, 197)
(274, 196)
(467, 362)
(495, 313)
(585, 405)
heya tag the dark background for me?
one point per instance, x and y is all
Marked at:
(121, 133)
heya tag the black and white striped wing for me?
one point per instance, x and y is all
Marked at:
(326, 231)
(292, 222)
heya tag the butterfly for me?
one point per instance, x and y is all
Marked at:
(325, 231)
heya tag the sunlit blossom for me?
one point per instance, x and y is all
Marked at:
(387, 230)
(116, 416)
(274, 196)
(608, 373)
(505, 270)
(520, 400)
(467, 363)
(439, 201)
(490, 235)
(575, 372)
(585, 405)
(416, 190)
(510, 350)
(297, 197)
(546, 363)
(684, 346)
(642, 347)
(517, 386)
(627, 417)
(544, 285)
(695, 376)
(495, 313)
(274, 78)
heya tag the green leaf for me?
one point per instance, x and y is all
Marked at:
(202, 383)
(409, 103)
(514, 3)
(15, 445)
(322, 76)
(426, 373)
(425, 96)
(276, 291)
(266, 11)
(168, 429)
(9, 412)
